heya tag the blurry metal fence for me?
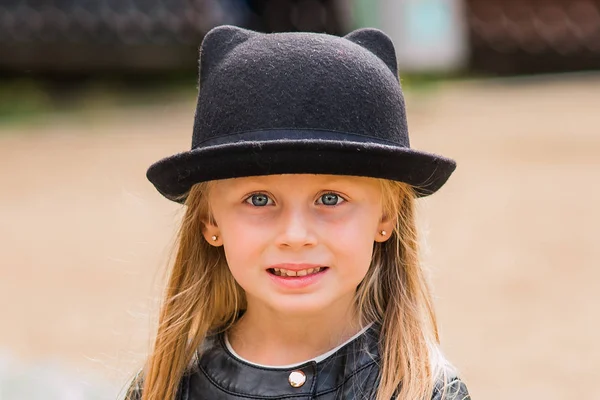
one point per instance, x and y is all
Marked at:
(528, 36)
(505, 36)
(76, 35)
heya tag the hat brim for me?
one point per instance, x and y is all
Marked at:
(174, 176)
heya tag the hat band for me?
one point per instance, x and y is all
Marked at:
(276, 135)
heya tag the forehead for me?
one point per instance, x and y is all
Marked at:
(297, 180)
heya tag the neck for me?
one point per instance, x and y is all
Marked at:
(272, 337)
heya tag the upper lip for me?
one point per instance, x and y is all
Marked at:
(295, 267)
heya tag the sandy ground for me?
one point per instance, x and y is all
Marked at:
(511, 239)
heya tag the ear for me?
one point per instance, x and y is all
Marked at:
(377, 43)
(217, 43)
(386, 225)
(210, 231)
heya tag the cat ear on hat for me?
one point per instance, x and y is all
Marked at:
(377, 43)
(217, 44)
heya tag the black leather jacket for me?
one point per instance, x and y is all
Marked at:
(351, 373)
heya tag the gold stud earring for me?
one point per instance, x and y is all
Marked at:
(383, 233)
(214, 238)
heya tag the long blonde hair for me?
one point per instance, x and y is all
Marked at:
(202, 297)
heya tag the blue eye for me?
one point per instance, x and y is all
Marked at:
(259, 200)
(330, 199)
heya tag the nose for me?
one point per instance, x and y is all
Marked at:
(296, 229)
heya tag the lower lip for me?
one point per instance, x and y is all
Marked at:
(297, 282)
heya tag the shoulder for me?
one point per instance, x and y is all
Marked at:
(135, 387)
(449, 386)
(134, 391)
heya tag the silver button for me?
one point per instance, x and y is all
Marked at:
(297, 378)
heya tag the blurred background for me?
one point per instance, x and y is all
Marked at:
(93, 91)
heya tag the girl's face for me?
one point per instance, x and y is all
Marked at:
(297, 242)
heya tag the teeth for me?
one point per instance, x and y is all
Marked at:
(304, 272)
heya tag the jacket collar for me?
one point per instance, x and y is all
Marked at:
(235, 376)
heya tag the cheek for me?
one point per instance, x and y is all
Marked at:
(353, 244)
(243, 244)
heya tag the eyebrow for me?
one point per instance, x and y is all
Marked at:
(257, 182)
(329, 179)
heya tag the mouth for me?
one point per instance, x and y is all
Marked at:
(286, 273)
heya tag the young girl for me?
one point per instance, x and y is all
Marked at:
(297, 271)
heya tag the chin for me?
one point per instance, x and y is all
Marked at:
(301, 304)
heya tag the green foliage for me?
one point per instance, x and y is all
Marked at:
(25, 100)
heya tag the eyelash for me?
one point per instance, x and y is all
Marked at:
(335, 194)
(249, 198)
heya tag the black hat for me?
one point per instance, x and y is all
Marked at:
(311, 103)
